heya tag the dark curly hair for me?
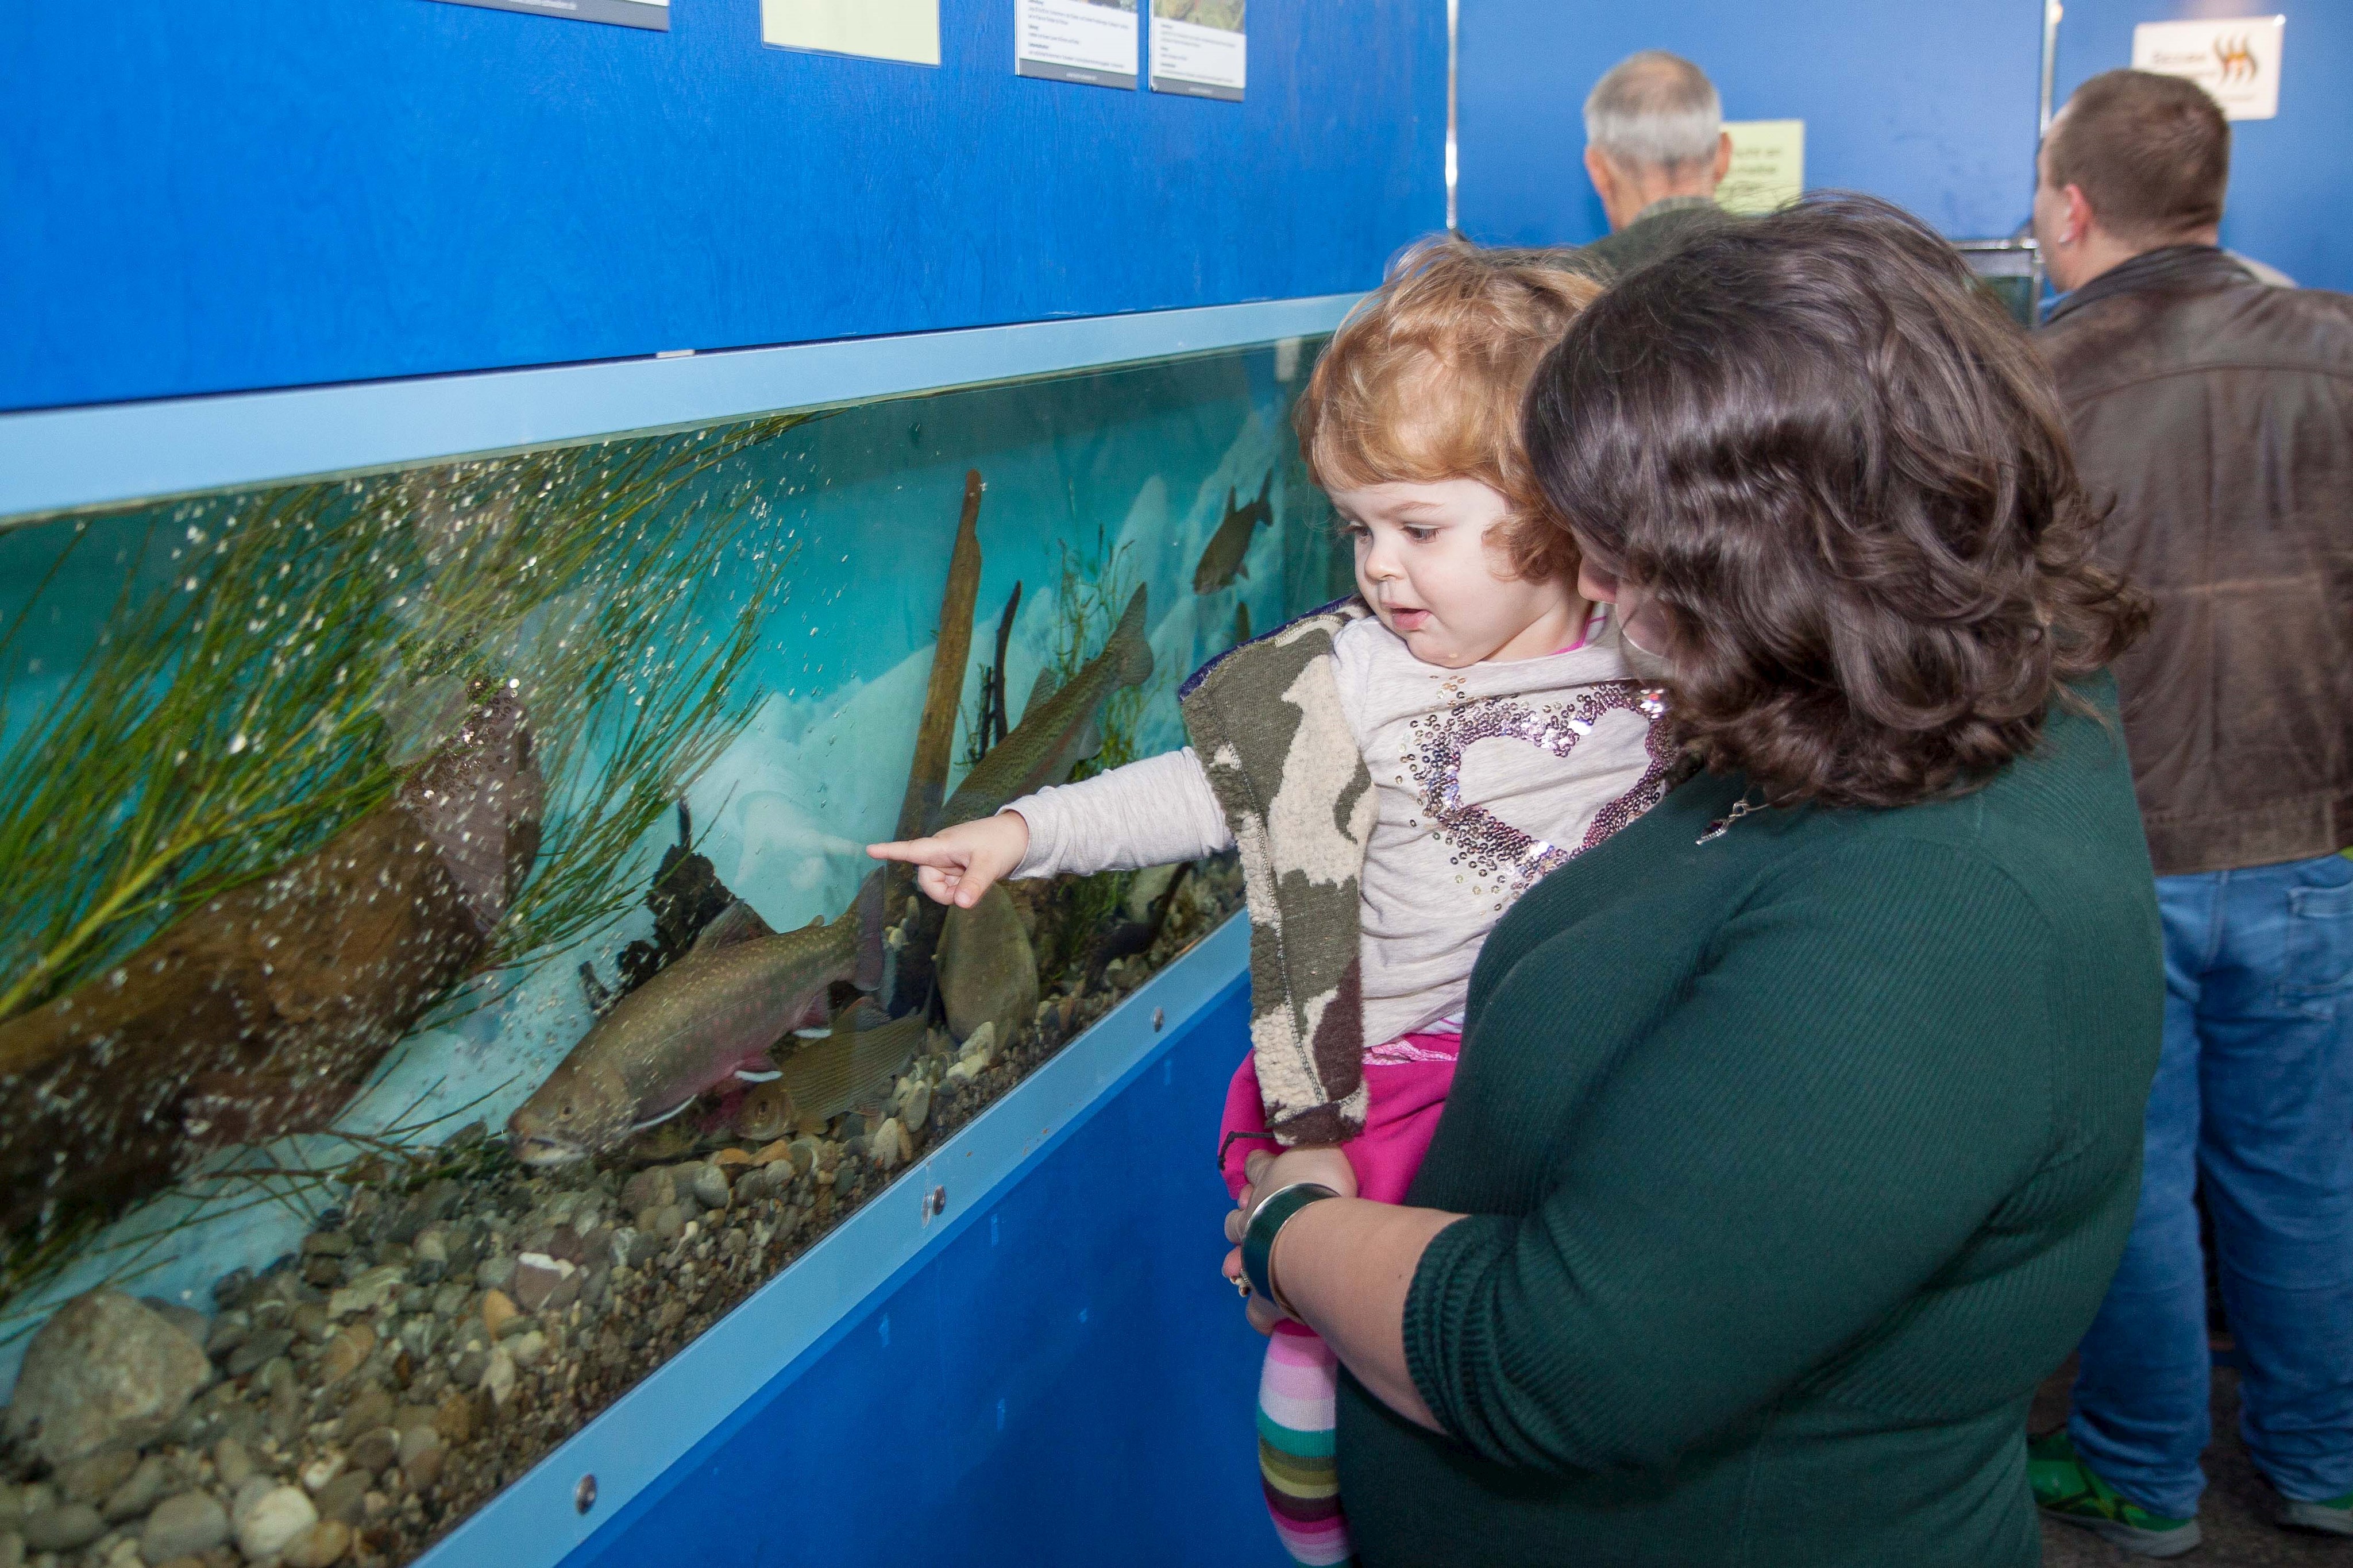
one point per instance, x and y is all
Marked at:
(1842, 473)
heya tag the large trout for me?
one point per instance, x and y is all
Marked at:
(707, 1018)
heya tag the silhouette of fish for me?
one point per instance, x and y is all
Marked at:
(709, 1018)
(262, 1012)
(1241, 625)
(1059, 729)
(1225, 556)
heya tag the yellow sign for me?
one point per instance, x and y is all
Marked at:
(1768, 165)
(883, 29)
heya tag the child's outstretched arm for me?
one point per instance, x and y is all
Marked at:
(1149, 813)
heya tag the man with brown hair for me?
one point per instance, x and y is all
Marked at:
(2217, 412)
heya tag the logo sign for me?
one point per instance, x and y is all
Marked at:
(2237, 60)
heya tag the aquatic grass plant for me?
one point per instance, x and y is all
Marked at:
(271, 663)
(270, 666)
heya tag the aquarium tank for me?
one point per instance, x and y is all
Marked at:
(442, 973)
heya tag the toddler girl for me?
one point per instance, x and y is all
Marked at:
(1395, 769)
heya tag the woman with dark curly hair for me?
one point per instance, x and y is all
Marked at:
(1796, 1130)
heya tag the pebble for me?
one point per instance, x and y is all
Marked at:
(311, 1320)
(327, 1243)
(227, 1331)
(263, 1347)
(376, 1451)
(919, 1106)
(352, 1345)
(89, 1480)
(265, 1522)
(322, 1544)
(526, 1349)
(188, 1525)
(423, 1471)
(232, 1465)
(710, 1187)
(545, 1283)
(499, 1376)
(373, 1288)
(803, 1155)
(497, 1308)
(370, 1408)
(12, 1549)
(416, 1440)
(344, 1497)
(63, 1528)
(449, 1300)
(454, 1418)
(138, 1491)
(497, 1273)
(890, 1147)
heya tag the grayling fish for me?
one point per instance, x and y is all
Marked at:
(1225, 556)
(707, 1019)
(1059, 729)
(848, 1068)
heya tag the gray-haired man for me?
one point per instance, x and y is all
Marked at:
(1656, 149)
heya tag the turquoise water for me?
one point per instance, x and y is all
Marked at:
(208, 699)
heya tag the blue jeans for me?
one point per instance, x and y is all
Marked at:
(2255, 1096)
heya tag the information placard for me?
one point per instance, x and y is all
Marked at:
(2237, 60)
(1090, 41)
(906, 30)
(1768, 165)
(652, 15)
(1199, 48)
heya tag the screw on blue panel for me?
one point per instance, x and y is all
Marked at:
(1082, 1314)
(886, 1327)
(1000, 1416)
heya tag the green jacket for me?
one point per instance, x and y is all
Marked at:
(1662, 226)
(1796, 1160)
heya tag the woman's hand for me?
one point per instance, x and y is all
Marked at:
(957, 865)
(1269, 1174)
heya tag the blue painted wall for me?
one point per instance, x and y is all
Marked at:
(1065, 1380)
(270, 193)
(1929, 105)
(2290, 176)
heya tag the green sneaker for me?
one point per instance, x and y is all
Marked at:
(2330, 1516)
(2066, 1490)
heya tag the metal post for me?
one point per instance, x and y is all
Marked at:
(1453, 23)
(2052, 11)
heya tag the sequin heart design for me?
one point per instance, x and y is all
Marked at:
(1504, 731)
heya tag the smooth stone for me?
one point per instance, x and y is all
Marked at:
(231, 1285)
(891, 1148)
(104, 1372)
(377, 1450)
(12, 1549)
(227, 1331)
(188, 1525)
(422, 1471)
(449, 1300)
(263, 1347)
(231, 1464)
(138, 1491)
(539, 1277)
(181, 1316)
(321, 1470)
(266, 1523)
(313, 1322)
(919, 1106)
(711, 1187)
(497, 1308)
(330, 1243)
(89, 1480)
(527, 1348)
(416, 1440)
(63, 1528)
(341, 1498)
(322, 1544)
(370, 1408)
(454, 1418)
(803, 1154)
(497, 1273)
(499, 1376)
(373, 1288)
(352, 1345)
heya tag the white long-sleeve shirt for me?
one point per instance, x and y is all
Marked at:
(1486, 777)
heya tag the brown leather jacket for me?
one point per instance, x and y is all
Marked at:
(2218, 412)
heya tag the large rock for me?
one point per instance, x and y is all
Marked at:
(105, 1373)
(987, 968)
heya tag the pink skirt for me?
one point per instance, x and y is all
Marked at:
(1406, 1082)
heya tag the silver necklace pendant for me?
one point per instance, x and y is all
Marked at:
(1723, 824)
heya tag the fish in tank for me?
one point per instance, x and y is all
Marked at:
(442, 976)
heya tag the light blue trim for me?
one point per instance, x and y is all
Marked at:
(534, 1524)
(57, 459)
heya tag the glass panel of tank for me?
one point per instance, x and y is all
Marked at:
(440, 972)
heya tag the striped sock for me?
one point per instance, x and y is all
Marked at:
(1295, 1390)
